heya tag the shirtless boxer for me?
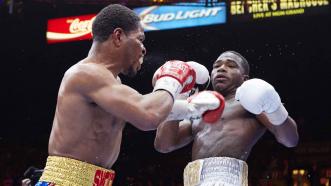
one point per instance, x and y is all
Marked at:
(93, 106)
(221, 147)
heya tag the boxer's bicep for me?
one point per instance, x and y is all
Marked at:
(116, 99)
(285, 134)
(172, 135)
(143, 111)
(98, 86)
(185, 135)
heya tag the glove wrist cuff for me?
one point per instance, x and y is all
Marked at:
(278, 116)
(181, 109)
(169, 84)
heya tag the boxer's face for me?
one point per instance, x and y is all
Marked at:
(227, 75)
(134, 51)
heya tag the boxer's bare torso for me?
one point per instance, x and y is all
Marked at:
(236, 130)
(233, 135)
(81, 129)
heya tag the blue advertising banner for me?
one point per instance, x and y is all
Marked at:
(179, 16)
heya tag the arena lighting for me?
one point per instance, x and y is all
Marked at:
(295, 172)
(302, 172)
(298, 172)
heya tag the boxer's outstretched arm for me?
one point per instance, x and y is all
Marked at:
(205, 105)
(97, 85)
(286, 133)
(173, 135)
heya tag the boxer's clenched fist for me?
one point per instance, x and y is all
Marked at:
(175, 77)
(208, 105)
(258, 96)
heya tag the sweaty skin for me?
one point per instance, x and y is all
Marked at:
(93, 106)
(235, 132)
(233, 135)
(82, 129)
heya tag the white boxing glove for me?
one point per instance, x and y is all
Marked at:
(257, 96)
(202, 79)
(208, 105)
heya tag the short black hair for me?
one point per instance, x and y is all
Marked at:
(111, 17)
(245, 63)
(238, 58)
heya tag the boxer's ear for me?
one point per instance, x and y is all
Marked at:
(117, 36)
(245, 77)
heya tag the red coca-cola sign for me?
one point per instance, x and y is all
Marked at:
(69, 28)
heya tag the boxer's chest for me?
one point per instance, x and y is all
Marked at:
(232, 113)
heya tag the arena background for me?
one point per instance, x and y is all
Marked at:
(293, 53)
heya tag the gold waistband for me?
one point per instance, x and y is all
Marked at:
(64, 171)
(223, 170)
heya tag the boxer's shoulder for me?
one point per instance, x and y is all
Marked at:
(89, 72)
(88, 68)
(233, 109)
(86, 78)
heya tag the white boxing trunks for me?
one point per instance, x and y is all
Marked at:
(216, 171)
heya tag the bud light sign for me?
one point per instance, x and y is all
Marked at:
(171, 17)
